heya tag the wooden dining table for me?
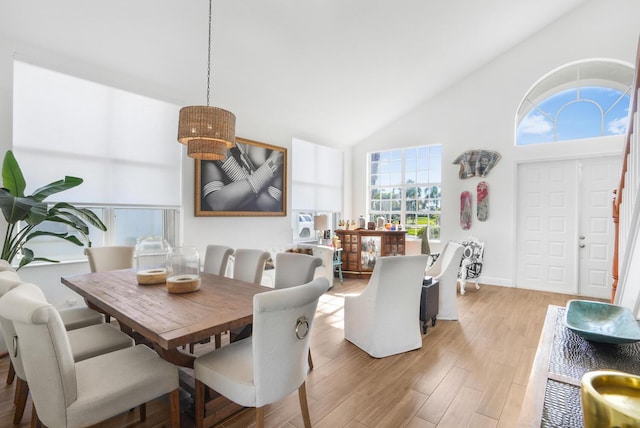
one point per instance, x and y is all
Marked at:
(166, 320)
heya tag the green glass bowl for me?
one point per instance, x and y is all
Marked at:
(602, 322)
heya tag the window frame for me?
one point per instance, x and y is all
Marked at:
(392, 187)
(570, 81)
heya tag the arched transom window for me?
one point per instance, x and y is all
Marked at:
(580, 100)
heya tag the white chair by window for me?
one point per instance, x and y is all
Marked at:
(445, 270)
(384, 319)
(272, 363)
(103, 259)
(71, 394)
(216, 258)
(86, 342)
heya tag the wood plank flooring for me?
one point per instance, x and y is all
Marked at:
(469, 373)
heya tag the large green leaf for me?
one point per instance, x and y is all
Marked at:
(56, 187)
(70, 220)
(69, 238)
(12, 178)
(17, 209)
(84, 213)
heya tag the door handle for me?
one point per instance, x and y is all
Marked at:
(581, 236)
(581, 245)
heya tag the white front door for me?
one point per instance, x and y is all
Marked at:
(564, 236)
(546, 226)
(598, 178)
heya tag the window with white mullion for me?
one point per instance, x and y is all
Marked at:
(404, 187)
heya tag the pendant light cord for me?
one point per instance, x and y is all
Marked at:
(209, 56)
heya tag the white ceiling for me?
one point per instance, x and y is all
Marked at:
(330, 71)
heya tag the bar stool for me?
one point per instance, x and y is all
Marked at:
(337, 262)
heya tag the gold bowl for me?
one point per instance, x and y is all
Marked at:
(610, 399)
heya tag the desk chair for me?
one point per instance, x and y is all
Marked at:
(102, 259)
(269, 365)
(70, 394)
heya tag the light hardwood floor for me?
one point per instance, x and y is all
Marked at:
(469, 373)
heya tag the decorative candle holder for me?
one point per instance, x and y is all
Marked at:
(183, 270)
(151, 260)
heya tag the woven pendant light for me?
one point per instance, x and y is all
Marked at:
(207, 131)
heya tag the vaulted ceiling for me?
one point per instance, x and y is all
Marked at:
(331, 71)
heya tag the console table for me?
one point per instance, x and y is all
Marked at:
(552, 398)
(361, 248)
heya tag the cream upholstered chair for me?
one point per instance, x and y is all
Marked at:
(272, 363)
(384, 319)
(216, 258)
(294, 269)
(86, 342)
(71, 394)
(72, 318)
(103, 259)
(248, 265)
(445, 270)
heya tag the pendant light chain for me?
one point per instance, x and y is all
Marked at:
(208, 132)
(209, 55)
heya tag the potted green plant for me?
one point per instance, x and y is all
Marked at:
(24, 213)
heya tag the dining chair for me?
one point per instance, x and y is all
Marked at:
(66, 393)
(248, 264)
(216, 258)
(293, 269)
(384, 319)
(445, 269)
(269, 365)
(102, 259)
(86, 342)
(72, 318)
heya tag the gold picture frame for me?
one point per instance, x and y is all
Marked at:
(252, 181)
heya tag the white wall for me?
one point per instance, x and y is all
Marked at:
(479, 112)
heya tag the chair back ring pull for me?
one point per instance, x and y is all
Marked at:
(15, 346)
(302, 328)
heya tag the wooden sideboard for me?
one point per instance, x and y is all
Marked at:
(361, 248)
